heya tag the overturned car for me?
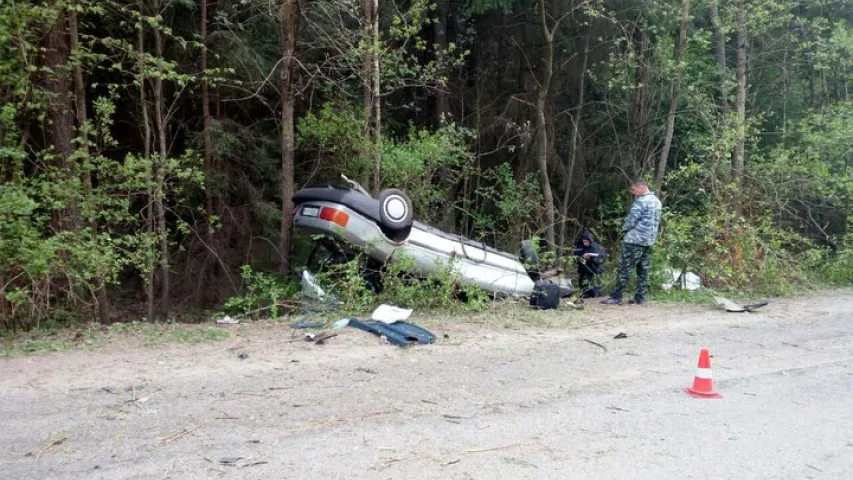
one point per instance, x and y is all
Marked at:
(384, 228)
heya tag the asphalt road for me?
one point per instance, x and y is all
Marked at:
(496, 403)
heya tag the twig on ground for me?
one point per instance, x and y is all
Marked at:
(455, 417)
(50, 445)
(595, 343)
(385, 463)
(259, 461)
(253, 394)
(599, 322)
(227, 417)
(169, 471)
(452, 462)
(491, 449)
(180, 434)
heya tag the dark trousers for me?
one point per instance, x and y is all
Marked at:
(633, 257)
(590, 282)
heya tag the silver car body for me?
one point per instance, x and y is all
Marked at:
(428, 248)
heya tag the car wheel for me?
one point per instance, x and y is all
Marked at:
(395, 209)
(528, 254)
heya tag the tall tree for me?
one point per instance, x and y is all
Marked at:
(207, 134)
(289, 21)
(376, 94)
(673, 97)
(83, 135)
(161, 120)
(720, 54)
(541, 123)
(147, 135)
(60, 113)
(442, 98)
(577, 121)
(738, 159)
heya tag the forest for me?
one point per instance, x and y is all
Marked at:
(150, 149)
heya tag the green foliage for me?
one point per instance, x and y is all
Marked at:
(263, 292)
(335, 137)
(730, 252)
(429, 166)
(510, 209)
(70, 224)
(831, 267)
(402, 285)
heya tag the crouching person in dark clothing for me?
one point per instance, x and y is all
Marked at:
(590, 257)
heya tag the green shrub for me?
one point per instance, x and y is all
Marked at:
(401, 287)
(263, 292)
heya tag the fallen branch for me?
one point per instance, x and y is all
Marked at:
(180, 434)
(491, 449)
(455, 417)
(259, 461)
(595, 343)
(252, 394)
(50, 445)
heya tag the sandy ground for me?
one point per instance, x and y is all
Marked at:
(495, 399)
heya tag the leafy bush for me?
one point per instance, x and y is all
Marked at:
(263, 292)
(400, 287)
(508, 210)
(831, 267)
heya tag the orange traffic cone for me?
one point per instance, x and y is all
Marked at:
(703, 384)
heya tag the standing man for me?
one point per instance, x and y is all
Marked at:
(641, 230)
(590, 257)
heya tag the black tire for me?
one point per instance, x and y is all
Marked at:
(529, 257)
(395, 209)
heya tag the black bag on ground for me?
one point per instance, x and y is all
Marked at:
(546, 295)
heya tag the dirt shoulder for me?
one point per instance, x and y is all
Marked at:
(357, 408)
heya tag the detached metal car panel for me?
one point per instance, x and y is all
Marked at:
(384, 229)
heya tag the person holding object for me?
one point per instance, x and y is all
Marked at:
(641, 229)
(590, 257)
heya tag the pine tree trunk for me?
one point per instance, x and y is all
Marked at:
(442, 102)
(367, 74)
(641, 112)
(720, 53)
(575, 141)
(59, 111)
(146, 141)
(738, 160)
(542, 130)
(101, 298)
(288, 32)
(160, 181)
(377, 103)
(673, 97)
(207, 134)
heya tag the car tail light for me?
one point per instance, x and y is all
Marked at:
(335, 216)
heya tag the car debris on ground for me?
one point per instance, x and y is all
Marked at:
(402, 334)
(684, 279)
(731, 306)
(389, 314)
